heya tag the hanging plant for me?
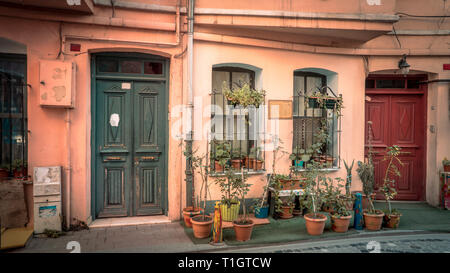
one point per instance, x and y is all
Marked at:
(323, 100)
(244, 95)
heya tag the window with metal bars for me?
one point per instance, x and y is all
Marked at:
(13, 116)
(235, 131)
(316, 126)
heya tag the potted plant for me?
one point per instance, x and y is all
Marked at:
(243, 95)
(194, 209)
(221, 154)
(320, 99)
(243, 226)
(202, 223)
(392, 216)
(315, 221)
(236, 159)
(19, 168)
(256, 159)
(300, 157)
(331, 194)
(229, 186)
(287, 205)
(340, 218)
(446, 164)
(348, 182)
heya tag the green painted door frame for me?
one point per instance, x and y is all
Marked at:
(129, 135)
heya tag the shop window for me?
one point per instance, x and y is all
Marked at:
(235, 130)
(13, 116)
(314, 124)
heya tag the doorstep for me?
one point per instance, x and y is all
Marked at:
(129, 221)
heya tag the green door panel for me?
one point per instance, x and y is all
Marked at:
(130, 138)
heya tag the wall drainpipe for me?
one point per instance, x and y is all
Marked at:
(68, 171)
(189, 134)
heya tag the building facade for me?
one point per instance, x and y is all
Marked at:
(119, 136)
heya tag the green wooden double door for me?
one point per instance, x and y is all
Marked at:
(130, 139)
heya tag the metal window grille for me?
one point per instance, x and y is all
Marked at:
(231, 127)
(307, 121)
(13, 116)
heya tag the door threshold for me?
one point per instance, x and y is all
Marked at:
(129, 221)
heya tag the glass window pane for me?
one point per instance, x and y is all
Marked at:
(240, 78)
(413, 84)
(153, 68)
(390, 83)
(299, 90)
(313, 84)
(108, 66)
(130, 67)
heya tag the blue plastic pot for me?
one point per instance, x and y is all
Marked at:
(262, 212)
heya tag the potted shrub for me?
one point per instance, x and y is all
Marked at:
(392, 216)
(194, 209)
(286, 207)
(202, 223)
(229, 184)
(340, 218)
(19, 168)
(236, 159)
(373, 219)
(243, 95)
(300, 157)
(243, 226)
(446, 164)
(348, 182)
(315, 221)
(221, 155)
(322, 100)
(331, 194)
(255, 159)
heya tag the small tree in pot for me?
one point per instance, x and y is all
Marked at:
(392, 216)
(315, 221)
(341, 215)
(229, 206)
(202, 224)
(373, 219)
(243, 226)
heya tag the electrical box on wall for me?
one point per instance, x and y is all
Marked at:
(57, 83)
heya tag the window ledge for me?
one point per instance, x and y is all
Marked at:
(238, 173)
(334, 169)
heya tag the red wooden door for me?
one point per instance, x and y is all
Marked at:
(398, 119)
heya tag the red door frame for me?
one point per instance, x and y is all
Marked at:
(422, 90)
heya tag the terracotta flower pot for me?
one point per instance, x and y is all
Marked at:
(392, 220)
(236, 164)
(201, 228)
(217, 167)
(315, 225)
(340, 224)
(373, 221)
(286, 212)
(257, 165)
(188, 213)
(243, 231)
(447, 168)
